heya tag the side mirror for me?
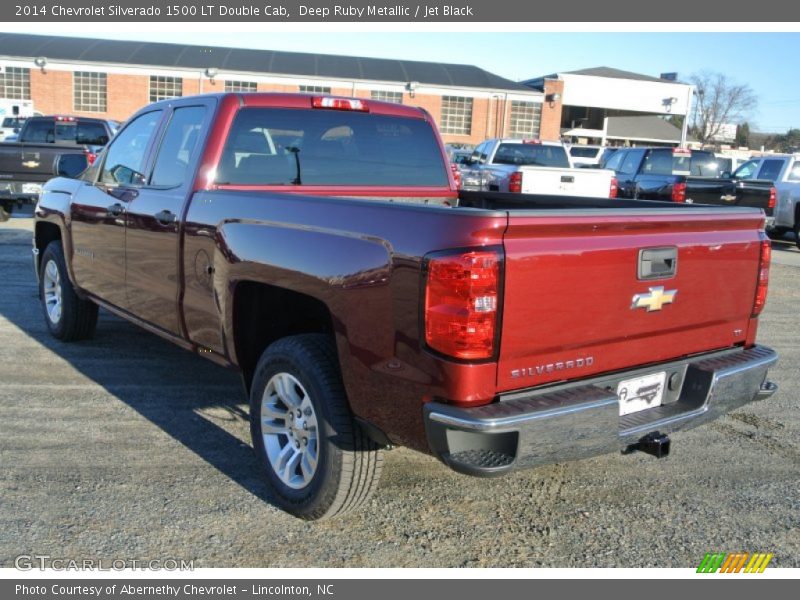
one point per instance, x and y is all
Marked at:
(726, 175)
(69, 165)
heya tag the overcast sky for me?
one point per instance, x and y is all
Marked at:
(765, 61)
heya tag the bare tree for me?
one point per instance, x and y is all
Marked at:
(719, 102)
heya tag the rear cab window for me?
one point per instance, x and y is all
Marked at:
(67, 131)
(285, 147)
(537, 155)
(666, 162)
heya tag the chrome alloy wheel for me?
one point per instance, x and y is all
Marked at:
(289, 430)
(52, 291)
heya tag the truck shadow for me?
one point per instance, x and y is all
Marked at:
(199, 404)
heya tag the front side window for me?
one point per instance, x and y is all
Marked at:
(89, 91)
(747, 170)
(125, 158)
(164, 88)
(177, 146)
(272, 146)
(456, 115)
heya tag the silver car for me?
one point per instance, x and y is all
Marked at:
(784, 171)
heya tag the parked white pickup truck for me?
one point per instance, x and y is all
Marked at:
(536, 167)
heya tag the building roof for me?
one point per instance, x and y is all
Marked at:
(242, 60)
(643, 128)
(609, 72)
(615, 74)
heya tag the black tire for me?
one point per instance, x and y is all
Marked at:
(348, 463)
(78, 318)
(776, 233)
(796, 231)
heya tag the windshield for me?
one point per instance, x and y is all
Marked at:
(274, 146)
(531, 155)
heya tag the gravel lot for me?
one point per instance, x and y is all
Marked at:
(127, 447)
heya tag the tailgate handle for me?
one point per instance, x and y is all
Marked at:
(657, 263)
(567, 179)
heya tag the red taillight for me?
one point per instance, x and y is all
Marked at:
(515, 183)
(90, 157)
(614, 189)
(338, 103)
(773, 196)
(763, 278)
(456, 175)
(462, 298)
(679, 192)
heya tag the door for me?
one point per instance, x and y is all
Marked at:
(99, 211)
(153, 277)
(630, 160)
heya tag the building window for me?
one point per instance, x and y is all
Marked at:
(16, 83)
(314, 89)
(241, 86)
(456, 115)
(89, 91)
(164, 88)
(525, 119)
(396, 97)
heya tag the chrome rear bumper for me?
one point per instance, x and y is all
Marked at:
(576, 421)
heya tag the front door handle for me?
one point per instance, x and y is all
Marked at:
(115, 210)
(166, 217)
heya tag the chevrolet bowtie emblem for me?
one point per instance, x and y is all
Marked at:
(728, 197)
(654, 299)
(31, 164)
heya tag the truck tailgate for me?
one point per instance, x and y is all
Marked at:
(589, 183)
(571, 279)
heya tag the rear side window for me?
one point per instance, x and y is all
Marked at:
(631, 162)
(177, 146)
(275, 146)
(771, 169)
(538, 155)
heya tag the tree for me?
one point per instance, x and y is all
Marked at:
(786, 142)
(719, 102)
(743, 135)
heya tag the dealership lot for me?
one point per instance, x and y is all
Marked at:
(126, 447)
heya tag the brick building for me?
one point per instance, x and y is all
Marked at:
(113, 79)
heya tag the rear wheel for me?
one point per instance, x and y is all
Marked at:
(68, 317)
(314, 456)
(797, 234)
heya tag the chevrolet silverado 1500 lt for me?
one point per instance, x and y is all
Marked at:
(536, 167)
(683, 175)
(320, 246)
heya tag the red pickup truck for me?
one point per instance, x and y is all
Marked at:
(320, 246)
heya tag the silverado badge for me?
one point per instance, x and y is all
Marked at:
(654, 299)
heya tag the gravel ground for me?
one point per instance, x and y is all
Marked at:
(127, 447)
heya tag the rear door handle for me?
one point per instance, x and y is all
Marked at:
(166, 217)
(115, 210)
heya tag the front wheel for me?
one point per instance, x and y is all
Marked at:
(314, 456)
(69, 318)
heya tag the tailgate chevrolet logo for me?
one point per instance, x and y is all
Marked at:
(31, 164)
(654, 299)
(728, 197)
